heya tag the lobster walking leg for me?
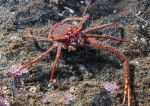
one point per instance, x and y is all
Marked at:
(55, 62)
(34, 61)
(123, 59)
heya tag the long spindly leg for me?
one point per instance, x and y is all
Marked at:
(99, 27)
(29, 34)
(109, 37)
(58, 54)
(34, 61)
(75, 18)
(82, 20)
(123, 59)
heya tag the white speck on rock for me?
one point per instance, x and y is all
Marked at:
(73, 89)
(143, 41)
(70, 10)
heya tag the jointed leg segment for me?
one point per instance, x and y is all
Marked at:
(82, 20)
(75, 18)
(109, 37)
(34, 61)
(55, 62)
(123, 59)
(29, 34)
(100, 27)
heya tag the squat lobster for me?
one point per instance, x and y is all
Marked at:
(68, 36)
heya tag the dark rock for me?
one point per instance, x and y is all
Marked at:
(39, 14)
(2, 2)
(101, 99)
(13, 2)
(100, 8)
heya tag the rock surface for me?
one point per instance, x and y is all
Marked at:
(83, 73)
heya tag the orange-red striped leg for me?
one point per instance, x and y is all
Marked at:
(109, 37)
(82, 20)
(55, 62)
(100, 27)
(29, 34)
(123, 59)
(75, 18)
(34, 61)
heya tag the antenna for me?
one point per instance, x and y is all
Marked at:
(88, 2)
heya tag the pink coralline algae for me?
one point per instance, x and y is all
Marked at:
(69, 99)
(4, 102)
(47, 97)
(14, 68)
(111, 87)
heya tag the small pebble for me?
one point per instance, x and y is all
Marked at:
(13, 13)
(135, 62)
(82, 67)
(12, 46)
(87, 76)
(5, 88)
(50, 85)
(33, 89)
(73, 89)
(14, 38)
(143, 41)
